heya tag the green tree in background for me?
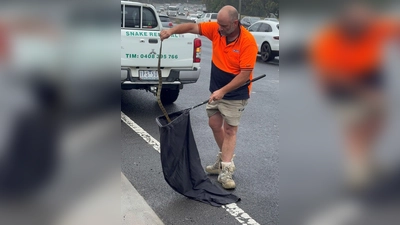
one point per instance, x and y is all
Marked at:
(272, 6)
(172, 1)
(262, 8)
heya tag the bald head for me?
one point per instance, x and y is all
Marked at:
(356, 18)
(228, 13)
(227, 20)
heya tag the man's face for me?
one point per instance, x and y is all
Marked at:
(355, 21)
(226, 26)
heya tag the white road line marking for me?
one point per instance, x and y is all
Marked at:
(142, 133)
(240, 215)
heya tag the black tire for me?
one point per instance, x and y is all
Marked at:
(169, 96)
(266, 52)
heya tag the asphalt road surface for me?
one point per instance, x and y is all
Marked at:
(256, 158)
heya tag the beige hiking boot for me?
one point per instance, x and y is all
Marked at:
(225, 177)
(215, 168)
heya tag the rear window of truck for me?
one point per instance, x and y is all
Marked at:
(132, 17)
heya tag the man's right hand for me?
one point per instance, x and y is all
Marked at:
(164, 34)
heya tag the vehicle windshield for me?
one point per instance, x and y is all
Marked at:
(214, 16)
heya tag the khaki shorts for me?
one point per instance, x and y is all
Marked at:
(359, 112)
(231, 110)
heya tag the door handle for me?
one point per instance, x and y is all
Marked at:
(153, 41)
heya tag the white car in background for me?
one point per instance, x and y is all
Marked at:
(247, 21)
(208, 17)
(192, 17)
(266, 33)
(272, 19)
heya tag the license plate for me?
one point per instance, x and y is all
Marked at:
(148, 74)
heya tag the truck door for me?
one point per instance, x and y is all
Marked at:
(140, 41)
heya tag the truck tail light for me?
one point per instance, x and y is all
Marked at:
(276, 37)
(197, 50)
(170, 24)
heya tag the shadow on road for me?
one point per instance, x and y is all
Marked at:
(273, 62)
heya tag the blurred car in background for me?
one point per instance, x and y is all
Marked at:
(199, 14)
(272, 19)
(249, 20)
(208, 17)
(266, 34)
(192, 17)
(172, 10)
(165, 21)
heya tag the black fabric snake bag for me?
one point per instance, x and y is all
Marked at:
(181, 163)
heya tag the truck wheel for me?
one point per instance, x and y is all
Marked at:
(169, 96)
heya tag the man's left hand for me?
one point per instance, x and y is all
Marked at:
(216, 95)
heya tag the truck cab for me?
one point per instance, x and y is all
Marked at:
(140, 45)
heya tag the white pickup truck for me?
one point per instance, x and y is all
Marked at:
(140, 45)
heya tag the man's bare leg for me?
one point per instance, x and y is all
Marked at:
(216, 122)
(360, 144)
(229, 143)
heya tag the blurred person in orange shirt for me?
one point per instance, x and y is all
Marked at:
(4, 44)
(348, 57)
(30, 104)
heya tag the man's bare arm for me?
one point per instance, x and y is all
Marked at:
(180, 29)
(238, 81)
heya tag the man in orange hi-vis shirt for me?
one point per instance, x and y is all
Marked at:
(233, 59)
(348, 59)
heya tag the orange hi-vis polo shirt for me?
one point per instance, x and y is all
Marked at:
(229, 59)
(338, 57)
